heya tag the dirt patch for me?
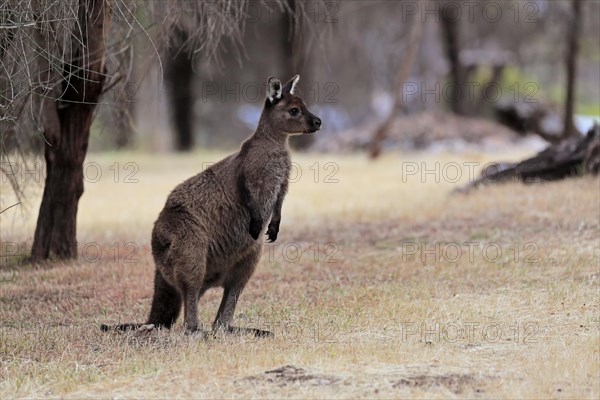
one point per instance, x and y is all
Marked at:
(290, 374)
(456, 383)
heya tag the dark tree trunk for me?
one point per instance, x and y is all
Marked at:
(67, 122)
(294, 52)
(451, 39)
(571, 61)
(179, 76)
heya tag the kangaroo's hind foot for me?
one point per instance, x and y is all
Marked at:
(128, 327)
(235, 330)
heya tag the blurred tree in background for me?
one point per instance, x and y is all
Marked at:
(179, 77)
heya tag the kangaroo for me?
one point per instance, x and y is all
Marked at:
(211, 230)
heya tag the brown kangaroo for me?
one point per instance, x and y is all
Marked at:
(211, 231)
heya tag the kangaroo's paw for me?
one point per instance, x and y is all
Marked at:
(272, 232)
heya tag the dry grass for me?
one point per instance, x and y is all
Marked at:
(390, 315)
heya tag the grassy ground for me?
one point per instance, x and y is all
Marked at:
(382, 284)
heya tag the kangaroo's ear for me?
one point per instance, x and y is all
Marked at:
(274, 89)
(290, 86)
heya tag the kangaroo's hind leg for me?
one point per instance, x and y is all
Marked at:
(188, 262)
(234, 286)
(190, 306)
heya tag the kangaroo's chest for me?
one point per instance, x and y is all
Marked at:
(268, 177)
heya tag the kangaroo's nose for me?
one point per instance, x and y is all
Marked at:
(317, 122)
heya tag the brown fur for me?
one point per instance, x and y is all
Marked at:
(211, 231)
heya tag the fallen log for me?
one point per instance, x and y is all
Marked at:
(541, 119)
(574, 156)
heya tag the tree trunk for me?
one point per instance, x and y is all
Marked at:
(451, 38)
(66, 123)
(571, 61)
(179, 76)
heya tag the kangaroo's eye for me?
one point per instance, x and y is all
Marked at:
(294, 112)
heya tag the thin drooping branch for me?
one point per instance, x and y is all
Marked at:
(416, 27)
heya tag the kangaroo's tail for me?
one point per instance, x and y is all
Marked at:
(166, 305)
